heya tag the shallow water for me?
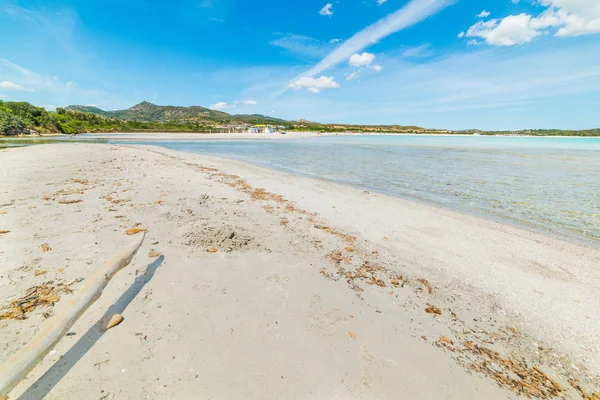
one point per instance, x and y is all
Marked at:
(548, 184)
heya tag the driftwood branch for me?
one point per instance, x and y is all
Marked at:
(26, 358)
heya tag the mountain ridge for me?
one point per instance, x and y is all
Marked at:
(149, 112)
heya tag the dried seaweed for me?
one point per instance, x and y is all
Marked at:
(575, 384)
(431, 309)
(134, 231)
(427, 285)
(513, 374)
(262, 194)
(43, 295)
(70, 201)
(348, 238)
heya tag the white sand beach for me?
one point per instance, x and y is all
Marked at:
(270, 286)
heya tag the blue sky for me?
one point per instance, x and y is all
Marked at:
(498, 64)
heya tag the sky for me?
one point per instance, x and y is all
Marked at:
(454, 64)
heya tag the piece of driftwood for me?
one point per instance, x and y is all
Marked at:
(23, 361)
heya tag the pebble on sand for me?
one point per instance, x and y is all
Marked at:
(114, 321)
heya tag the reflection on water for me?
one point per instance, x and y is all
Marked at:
(544, 183)
(28, 141)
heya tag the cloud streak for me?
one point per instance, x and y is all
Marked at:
(14, 86)
(409, 15)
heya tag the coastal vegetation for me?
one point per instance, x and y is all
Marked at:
(18, 118)
(22, 118)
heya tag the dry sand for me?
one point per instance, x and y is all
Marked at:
(315, 291)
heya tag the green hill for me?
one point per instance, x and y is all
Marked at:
(148, 112)
(87, 109)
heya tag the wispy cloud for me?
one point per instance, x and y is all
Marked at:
(13, 86)
(411, 14)
(352, 75)
(302, 45)
(34, 81)
(222, 105)
(423, 50)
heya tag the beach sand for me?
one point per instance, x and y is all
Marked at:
(275, 286)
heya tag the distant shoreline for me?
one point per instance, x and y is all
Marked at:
(290, 134)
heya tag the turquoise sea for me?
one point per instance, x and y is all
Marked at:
(545, 184)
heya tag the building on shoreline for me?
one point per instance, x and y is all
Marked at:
(261, 128)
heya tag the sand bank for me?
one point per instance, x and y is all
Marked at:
(276, 286)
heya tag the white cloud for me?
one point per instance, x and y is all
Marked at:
(571, 17)
(327, 10)
(91, 105)
(221, 106)
(13, 86)
(512, 30)
(334, 41)
(361, 60)
(461, 35)
(249, 102)
(376, 68)
(380, 2)
(314, 85)
(483, 14)
(412, 13)
(353, 75)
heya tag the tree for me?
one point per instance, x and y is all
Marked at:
(10, 124)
